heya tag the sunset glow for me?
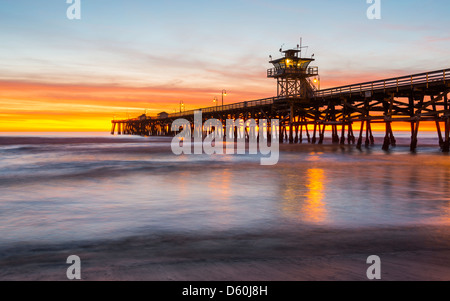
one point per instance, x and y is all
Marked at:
(121, 60)
(221, 149)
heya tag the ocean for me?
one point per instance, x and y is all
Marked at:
(73, 188)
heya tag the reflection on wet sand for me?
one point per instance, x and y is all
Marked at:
(314, 210)
(139, 212)
(220, 189)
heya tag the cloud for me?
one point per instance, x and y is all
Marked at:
(57, 103)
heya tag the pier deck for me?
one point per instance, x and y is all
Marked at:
(412, 98)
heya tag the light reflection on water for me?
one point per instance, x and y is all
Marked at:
(69, 192)
(314, 209)
(303, 196)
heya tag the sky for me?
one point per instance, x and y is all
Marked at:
(125, 58)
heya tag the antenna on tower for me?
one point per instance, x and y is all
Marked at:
(300, 46)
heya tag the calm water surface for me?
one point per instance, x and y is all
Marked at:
(68, 187)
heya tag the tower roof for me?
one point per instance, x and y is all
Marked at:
(294, 55)
(297, 59)
(292, 66)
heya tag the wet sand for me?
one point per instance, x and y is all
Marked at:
(407, 253)
(127, 211)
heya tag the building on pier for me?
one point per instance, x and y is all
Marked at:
(292, 73)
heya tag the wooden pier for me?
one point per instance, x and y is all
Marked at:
(305, 112)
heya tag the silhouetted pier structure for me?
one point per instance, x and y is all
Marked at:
(413, 99)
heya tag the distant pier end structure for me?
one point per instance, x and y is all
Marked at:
(305, 111)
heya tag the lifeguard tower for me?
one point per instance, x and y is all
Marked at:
(292, 73)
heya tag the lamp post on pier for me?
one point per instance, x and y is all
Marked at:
(224, 93)
(215, 100)
(317, 81)
(181, 106)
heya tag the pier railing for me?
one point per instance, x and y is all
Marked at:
(233, 106)
(310, 71)
(395, 82)
(425, 78)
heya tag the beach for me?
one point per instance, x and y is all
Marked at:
(407, 254)
(132, 210)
